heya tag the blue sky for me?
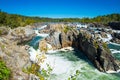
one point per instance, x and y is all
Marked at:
(61, 8)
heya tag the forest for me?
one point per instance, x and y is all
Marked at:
(15, 20)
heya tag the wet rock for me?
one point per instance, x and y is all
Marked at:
(116, 37)
(96, 51)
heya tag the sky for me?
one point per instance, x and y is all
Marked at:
(61, 8)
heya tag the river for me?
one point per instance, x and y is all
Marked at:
(67, 64)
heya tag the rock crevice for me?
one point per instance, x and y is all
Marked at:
(96, 51)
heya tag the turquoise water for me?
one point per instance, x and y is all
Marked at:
(116, 49)
(113, 46)
(35, 42)
(83, 65)
(72, 61)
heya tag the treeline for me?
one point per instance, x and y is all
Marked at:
(14, 20)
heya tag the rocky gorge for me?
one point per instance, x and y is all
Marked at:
(53, 41)
(97, 51)
(14, 55)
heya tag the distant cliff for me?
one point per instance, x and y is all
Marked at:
(96, 51)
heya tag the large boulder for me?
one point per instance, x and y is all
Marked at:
(96, 51)
(116, 37)
(21, 34)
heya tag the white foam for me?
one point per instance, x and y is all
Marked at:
(39, 34)
(111, 71)
(114, 51)
(109, 37)
(50, 49)
(58, 64)
(33, 54)
(116, 31)
(114, 43)
(43, 35)
(66, 49)
(42, 27)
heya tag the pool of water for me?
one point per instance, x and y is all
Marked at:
(35, 42)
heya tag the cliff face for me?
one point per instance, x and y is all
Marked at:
(15, 56)
(116, 37)
(96, 51)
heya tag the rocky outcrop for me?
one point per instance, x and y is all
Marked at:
(21, 34)
(96, 25)
(114, 25)
(97, 52)
(15, 57)
(4, 30)
(58, 27)
(116, 37)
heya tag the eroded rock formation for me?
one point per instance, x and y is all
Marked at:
(15, 56)
(96, 51)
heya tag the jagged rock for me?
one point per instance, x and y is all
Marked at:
(54, 40)
(96, 51)
(21, 34)
(114, 25)
(58, 27)
(43, 46)
(103, 34)
(116, 37)
(15, 57)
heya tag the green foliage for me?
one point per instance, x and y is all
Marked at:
(67, 28)
(74, 77)
(4, 71)
(4, 31)
(34, 69)
(95, 43)
(1, 32)
(46, 73)
(13, 20)
(105, 47)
